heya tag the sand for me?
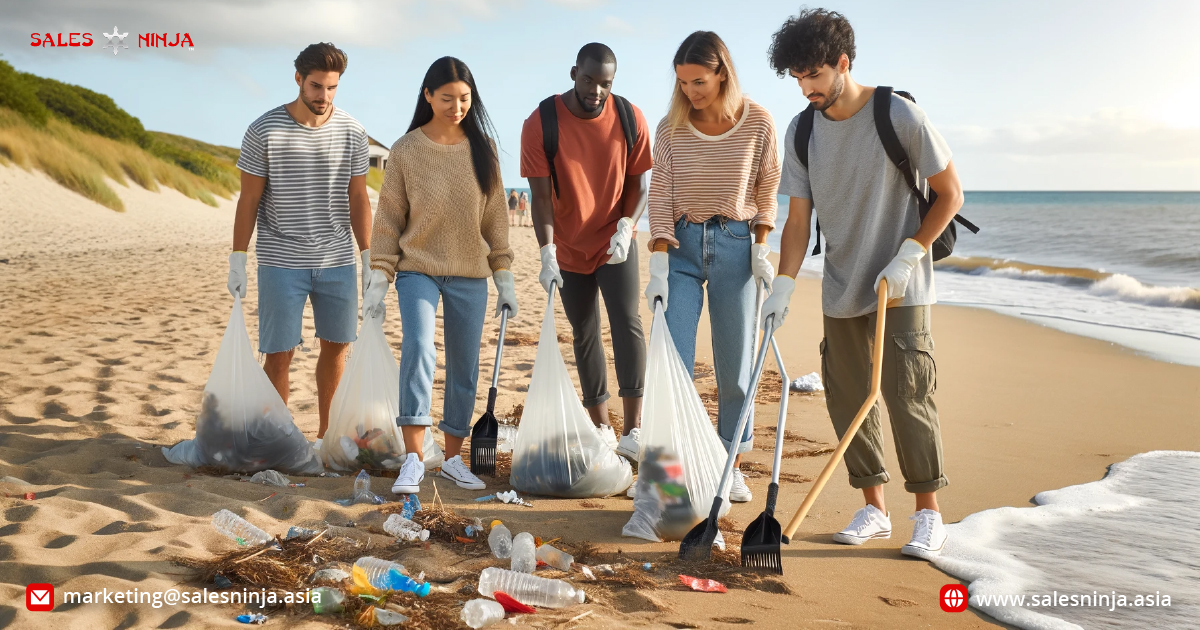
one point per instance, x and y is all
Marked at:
(108, 327)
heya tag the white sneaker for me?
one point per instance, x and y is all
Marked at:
(929, 536)
(630, 444)
(455, 470)
(868, 523)
(412, 473)
(608, 435)
(740, 493)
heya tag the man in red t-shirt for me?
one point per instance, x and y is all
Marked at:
(586, 232)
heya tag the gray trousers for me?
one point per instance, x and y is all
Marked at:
(908, 383)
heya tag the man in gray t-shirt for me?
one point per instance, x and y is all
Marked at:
(873, 231)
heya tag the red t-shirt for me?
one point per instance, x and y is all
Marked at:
(591, 166)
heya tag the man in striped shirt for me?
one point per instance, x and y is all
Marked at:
(304, 167)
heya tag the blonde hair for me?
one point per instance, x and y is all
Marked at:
(705, 48)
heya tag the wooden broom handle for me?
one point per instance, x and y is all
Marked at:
(876, 380)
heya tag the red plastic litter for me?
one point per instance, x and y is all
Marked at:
(29, 496)
(706, 586)
(511, 605)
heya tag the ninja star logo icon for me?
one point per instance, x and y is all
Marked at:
(116, 39)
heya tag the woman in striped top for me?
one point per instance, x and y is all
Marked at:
(712, 203)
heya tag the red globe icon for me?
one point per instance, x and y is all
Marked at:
(953, 598)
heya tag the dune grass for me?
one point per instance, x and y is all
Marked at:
(374, 178)
(85, 162)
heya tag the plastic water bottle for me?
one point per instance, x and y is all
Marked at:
(386, 575)
(300, 532)
(524, 554)
(500, 540)
(530, 590)
(239, 530)
(327, 600)
(482, 612)
(556, 558)
(411, 506)
(404, 529)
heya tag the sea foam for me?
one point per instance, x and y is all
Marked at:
(1136, 533)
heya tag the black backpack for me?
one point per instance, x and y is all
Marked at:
(549, 115)
(943, 246)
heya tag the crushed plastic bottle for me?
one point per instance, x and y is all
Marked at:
(404, 529)
(300, 532)
(257, 618)
(327, 600)
(270, 478)
(479, 613)
(554, 557)
(500, 540)
(704, 586)
(386, 575)
(475, 528)
(412, 505)
(239, 530)
(529, 589)
(362, 490)
(524, 554)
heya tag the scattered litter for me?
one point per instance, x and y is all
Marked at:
(221, 582)
(333, 575)
(578, 617)
(464, 540)
(646, 566)
(705, 586)
(385, 575)
(375, 615)
(329, 473)
(530, 590)
(487, 498)
(238, 529)
(500, 541)
(29, 496)
(412, 505)
(257, 618)
(555, 557)
(295, 485)
(808, 383)
(300, 532)
(587, 572)
(475, 528)
(404, 529)
(270, 478)
(268, 497)
(606, 569)
(479, 613)
(327, 600)
(511, 605)
(524, 553)
(511, 497)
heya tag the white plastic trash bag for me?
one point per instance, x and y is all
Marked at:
(681, 456)
(558, 451)
(362, 429)
(244, 425)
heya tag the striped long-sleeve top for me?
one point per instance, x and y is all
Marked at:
(735, 174)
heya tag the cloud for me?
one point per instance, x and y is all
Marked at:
(614, 24)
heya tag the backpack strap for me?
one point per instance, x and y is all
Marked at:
(628, 123)
(548, 112)
(896, 153)
(804, 129)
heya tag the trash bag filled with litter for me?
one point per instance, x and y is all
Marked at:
(681, 458)
(362, 429)
(558, 451)
(243, 424)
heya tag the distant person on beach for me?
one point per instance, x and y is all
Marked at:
(586, 204)
(514, 218)
(873, 231)
(712, 204)
(439, 233)
(526, 221)
(304, 183)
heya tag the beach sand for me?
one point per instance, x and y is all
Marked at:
(109, 323)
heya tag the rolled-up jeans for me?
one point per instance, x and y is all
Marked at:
(464, 309)
(715, 255)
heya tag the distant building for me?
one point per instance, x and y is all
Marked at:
(378, 153)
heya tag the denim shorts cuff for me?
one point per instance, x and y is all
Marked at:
(870, 481)
(927, 486)
(588, 403)
(744, 447)
(339, 340)
(450, 429)
(271, 349)
(414, 421)
(631, 392)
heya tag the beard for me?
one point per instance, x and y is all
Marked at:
(316, 108)
(583, 104)
(835, 91)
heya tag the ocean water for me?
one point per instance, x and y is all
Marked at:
(1133, 533)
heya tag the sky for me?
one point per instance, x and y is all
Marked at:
(1048, 95)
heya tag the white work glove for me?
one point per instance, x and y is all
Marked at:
(660, 266)
(900, 269)
(376, 289)
(777, 303)
(550, 272)
(237, 274)
(618, 245)
(366, 269)
(506, 292)
(762, 268)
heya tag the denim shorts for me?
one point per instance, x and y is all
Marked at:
(281, 297)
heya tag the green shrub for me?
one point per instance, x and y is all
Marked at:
(20, 96)
(88, 110)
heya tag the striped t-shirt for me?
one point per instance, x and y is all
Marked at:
(735, 174)
(304, 212)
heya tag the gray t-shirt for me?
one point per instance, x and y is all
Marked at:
(865, 208)
(304, 212)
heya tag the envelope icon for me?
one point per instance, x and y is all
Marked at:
(39, 597)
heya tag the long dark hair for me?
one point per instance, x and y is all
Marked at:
(476, 124)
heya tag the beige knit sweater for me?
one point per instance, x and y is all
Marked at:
(432, 216)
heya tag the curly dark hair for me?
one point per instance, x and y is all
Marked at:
(810, 40)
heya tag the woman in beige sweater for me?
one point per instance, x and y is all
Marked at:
(440, 230)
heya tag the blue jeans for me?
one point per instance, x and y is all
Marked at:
(463, 315)
(716, 255)
(281, 297)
